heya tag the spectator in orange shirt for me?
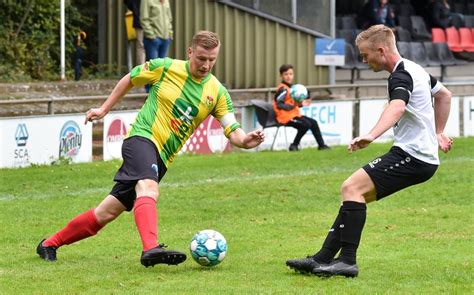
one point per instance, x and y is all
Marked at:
(288, 111)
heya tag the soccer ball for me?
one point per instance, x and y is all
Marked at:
(208, 247)
(298, 92)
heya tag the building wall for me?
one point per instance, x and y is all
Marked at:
(252, 49)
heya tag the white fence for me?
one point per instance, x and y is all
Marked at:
(44, 139)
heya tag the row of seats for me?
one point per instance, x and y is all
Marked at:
(464, 8)
(429, 54)
(457, 40)
(423, 53)
(416, 26)
(413, 24)
(410, 28)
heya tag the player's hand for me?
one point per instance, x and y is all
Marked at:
(94, 114)
(253, 139)
(444, 142)
(360, 142)
(306, 102)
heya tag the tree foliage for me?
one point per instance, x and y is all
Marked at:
(31, 50)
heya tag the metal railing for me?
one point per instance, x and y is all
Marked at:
(50, 101)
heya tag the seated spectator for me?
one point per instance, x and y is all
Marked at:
(377, 12)
(288, 111)
(439, 15)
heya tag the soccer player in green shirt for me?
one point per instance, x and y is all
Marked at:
(182, 95)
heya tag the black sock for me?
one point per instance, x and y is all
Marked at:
(332, 243)
(353, 220)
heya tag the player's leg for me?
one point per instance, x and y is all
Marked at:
(316, 132)
(145, 212)
(302, 128)
(138, 180)
(84, 225)
(357, 190)
(146, 219)
(345, 231)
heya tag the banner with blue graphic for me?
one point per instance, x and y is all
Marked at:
(329, 52)
(44, 140)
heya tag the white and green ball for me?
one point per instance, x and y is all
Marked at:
(208, 247)
(298, 92)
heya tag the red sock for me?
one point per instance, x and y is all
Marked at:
(82, 226)
(146, 219)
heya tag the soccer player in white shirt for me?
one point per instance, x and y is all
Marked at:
(418, 109)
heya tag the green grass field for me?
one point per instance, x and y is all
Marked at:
(270, 206)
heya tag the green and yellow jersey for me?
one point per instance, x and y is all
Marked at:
(177, 103)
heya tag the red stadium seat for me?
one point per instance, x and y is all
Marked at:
(466, 42)
(438, 35)
(452, 36)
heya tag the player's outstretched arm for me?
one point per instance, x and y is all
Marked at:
(122, 87)
(246, 141)
(389, 117)
(442, 106)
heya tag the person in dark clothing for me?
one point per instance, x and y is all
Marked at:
(134, 6)
(78, 55)
(377, 12)
(288, 111)
(439, 15)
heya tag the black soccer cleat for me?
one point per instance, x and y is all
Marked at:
(324, 147)
(337, 268)
(159, 255)
(293, 148)
(47, 253)
(304, 265)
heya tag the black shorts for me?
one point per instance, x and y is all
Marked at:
(141, 160)
(397, 170)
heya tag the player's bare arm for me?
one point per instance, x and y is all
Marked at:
(247, 141)
(387, 120)
(122, 87)
(442, 106)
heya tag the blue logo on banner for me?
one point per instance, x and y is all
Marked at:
(21, 135)
(70, 139)
(329, 46)
(324, 114)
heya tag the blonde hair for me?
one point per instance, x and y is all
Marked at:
(205, 39)
(377, 35)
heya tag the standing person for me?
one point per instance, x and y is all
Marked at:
(134, 7)
(418, 127)
(182, 95)
(288, 113)
(155, 19)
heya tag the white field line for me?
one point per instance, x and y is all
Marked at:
(233, 179)
(200, 182)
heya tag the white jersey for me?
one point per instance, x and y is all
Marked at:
(415, 132)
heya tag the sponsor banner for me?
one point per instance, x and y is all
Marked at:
(452, 126)
(207, 138)
(370, 111)
(468, 105)
(329, 52)
(43, 140)
(369, 114)
(116, 127)
(332, 120)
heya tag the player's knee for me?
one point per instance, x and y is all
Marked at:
(147, 188)
(105, 216)
(348, 188)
